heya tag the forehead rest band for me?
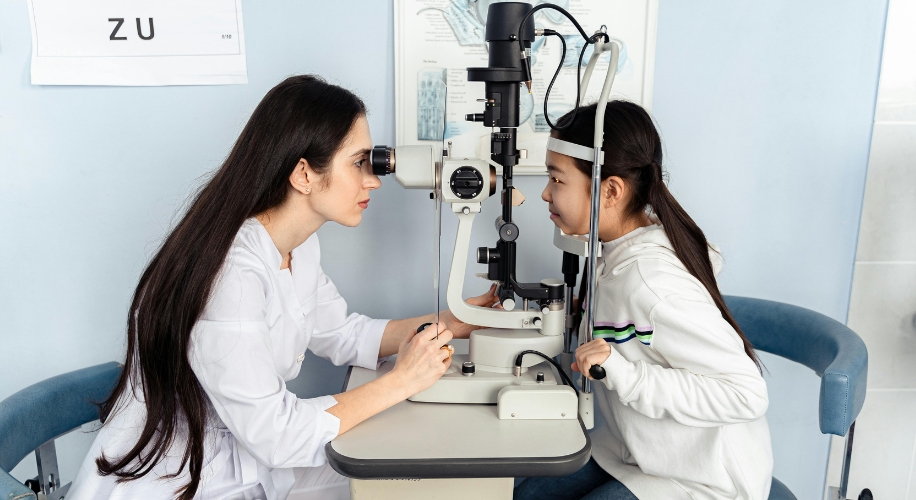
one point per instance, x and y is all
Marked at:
(574, 150)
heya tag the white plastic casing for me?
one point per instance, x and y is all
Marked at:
(587, 409)
(576, 244)
(483, 387)
(495, 349)
(476, 315)
(415, 167)
(554, 323)
(537, 402)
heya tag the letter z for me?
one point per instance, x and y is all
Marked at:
(120, 21)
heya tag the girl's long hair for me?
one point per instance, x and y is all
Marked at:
(633, 152)
(301, 118)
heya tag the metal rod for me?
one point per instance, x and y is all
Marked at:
(596, 194)
(593, 253)
(847, 459)
(567, 341)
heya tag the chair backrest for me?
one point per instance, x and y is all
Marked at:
(825, 345)
(50, 408)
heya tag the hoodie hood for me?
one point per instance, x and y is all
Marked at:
(649, 242)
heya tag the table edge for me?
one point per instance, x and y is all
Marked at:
(447, 468)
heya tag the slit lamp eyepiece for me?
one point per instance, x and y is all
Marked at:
(382, 159)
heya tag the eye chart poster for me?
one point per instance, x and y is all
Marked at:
(137, 42)
(437, 40)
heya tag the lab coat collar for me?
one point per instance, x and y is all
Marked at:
(254, 233)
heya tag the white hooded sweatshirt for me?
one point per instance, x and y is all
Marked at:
(683, 403)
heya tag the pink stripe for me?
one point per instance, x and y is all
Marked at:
(613, 325)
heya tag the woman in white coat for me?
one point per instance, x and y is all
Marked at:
(224, 313)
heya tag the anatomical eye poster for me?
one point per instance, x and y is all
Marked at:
(137, 42)
(437, 40)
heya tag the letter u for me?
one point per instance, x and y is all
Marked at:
(152, 31)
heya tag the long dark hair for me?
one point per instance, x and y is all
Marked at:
(633, 152)
(301, 118)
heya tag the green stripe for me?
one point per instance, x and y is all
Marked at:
(624, 334)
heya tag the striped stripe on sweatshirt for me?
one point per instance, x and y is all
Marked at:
(619, 333)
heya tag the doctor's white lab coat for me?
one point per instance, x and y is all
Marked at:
(249, 341)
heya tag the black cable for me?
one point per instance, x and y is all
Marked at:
(588, 41)
(566, 379)
(561, 10)
(548, 32)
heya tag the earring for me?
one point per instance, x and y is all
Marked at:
(308, 190)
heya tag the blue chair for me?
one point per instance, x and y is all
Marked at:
(826, 346)
(34, 417)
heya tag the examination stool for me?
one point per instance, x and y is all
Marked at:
(826, 346)
(34, 417)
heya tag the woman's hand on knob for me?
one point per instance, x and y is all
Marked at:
(423, 358)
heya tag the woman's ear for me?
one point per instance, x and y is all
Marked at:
(303, 177)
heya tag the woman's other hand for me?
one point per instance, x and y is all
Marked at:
(591, 353)
(421, 359)
(420, 362)
(463, 330)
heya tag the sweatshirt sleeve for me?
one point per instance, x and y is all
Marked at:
(711, 380)
(233, 360)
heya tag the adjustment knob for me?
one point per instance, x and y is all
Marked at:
(467, 368)
(508, 232)
(487, 255)
(508, 304)
(540, 378)
(466, 182)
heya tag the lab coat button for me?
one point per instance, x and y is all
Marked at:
(300, 357)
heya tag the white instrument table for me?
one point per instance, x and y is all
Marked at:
(438, 440)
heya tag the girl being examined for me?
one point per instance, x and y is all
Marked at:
(224, 312)
(683, 400)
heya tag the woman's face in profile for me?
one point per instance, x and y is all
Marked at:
(346, 188)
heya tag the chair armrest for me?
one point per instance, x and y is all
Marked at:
(819, 342)
(843, 384)
(50, 408)
(10, 489)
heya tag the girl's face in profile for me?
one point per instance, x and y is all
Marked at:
(344, 191)
(567, 194)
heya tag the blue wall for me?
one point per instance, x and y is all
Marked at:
(766, 111)
(765, 108)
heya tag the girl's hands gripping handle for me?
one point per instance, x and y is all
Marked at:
(589, 357)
